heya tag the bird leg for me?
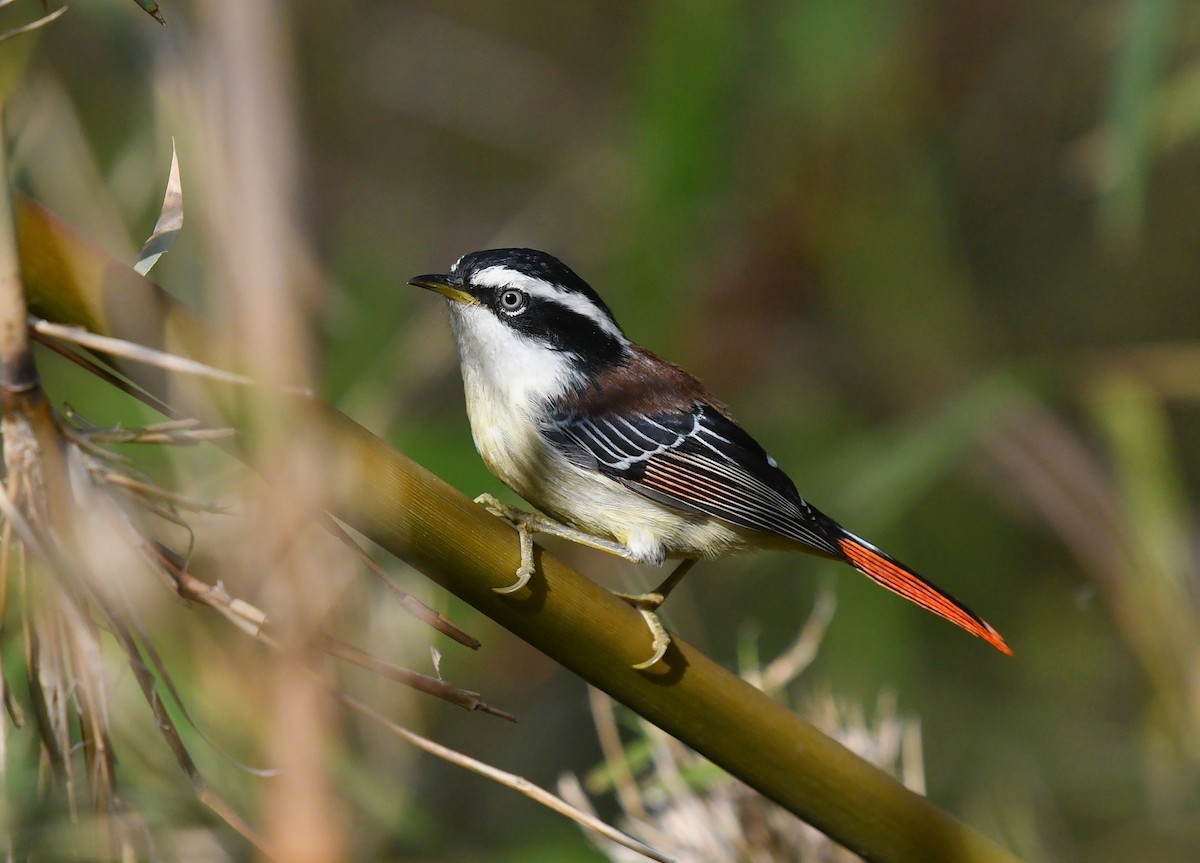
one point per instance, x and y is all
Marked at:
(646, 604)
(529, 523)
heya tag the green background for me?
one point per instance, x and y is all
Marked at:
(941, 258)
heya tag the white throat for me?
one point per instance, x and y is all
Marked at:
(501, 367)
(507, 381)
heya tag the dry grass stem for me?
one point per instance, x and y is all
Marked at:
(103, 374)
(64, 658)
(790, 664)
(150, 491)
(253, 622)
(62, 646)
(509, 780)
(149, 356)
(49, 18)
(183, 431)
(177, 432)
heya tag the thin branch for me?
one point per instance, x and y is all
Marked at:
(463, 698)
(243, 615)
(198, 590)
(154, 492)
(175, 432)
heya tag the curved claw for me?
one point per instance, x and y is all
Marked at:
(523, 575)
(520, 521)
(661, 639)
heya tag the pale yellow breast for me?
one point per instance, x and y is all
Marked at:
(592, 502)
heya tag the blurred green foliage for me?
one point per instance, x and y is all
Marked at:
(916, 247)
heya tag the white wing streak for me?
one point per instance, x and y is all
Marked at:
(696, 461)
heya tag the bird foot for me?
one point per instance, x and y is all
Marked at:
(521, 521)
(529, 523)
(646, 605)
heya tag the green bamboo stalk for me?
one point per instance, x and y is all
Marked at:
(422, 520)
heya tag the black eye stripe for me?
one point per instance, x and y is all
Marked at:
(563, 329)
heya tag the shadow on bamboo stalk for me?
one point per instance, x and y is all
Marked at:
(422, 520)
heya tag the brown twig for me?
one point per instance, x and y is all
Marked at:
(463, 698)
(414, 606)
(254, 622)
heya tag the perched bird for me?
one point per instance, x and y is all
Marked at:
(622, 450)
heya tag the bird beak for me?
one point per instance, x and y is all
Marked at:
(449, 287)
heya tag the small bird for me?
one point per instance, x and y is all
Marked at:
(621, 449)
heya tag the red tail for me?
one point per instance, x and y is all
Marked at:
(899, 579)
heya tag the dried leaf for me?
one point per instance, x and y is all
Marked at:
(170, 219)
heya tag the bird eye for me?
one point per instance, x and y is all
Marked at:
(513, 301)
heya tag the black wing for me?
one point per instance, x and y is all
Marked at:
(701, 462)
(697, 461)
